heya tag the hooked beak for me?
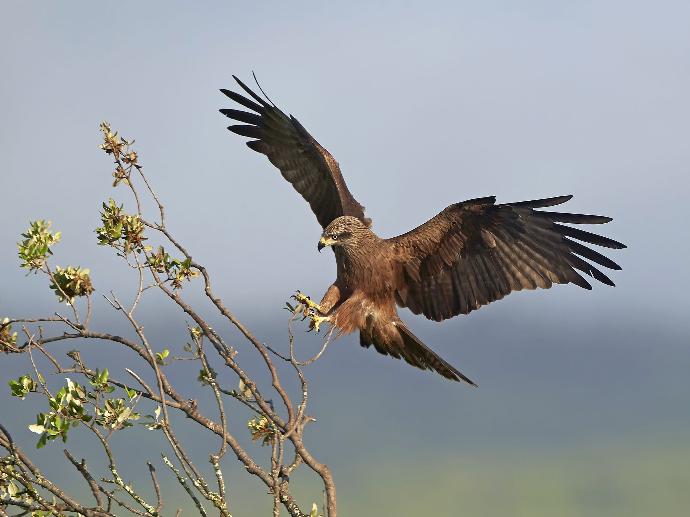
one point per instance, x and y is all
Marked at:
(323, 242)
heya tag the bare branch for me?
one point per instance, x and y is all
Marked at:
(81, 467)
(156, 486)
(183, 483)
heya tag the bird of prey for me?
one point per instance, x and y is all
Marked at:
(470, 254)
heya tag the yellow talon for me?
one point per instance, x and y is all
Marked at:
(317, 320)
(307, 302)
(310, 309)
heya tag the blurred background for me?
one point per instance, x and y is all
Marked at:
(582, 405)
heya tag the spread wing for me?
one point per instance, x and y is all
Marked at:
(476, 252)
(302, 161)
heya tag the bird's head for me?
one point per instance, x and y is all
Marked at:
(342, 231)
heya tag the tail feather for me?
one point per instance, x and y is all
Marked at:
(396, 340)
(427, 359)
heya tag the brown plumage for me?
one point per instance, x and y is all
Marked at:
(470, 254)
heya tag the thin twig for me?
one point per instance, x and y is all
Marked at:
(156, 486)
(183, 482)
(83, 470)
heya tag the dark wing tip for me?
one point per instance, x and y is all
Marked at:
(239, 99)
(256, 145)
(564, 217)
(250, 92)
(579, 281)
(242, 116)
(543, 203)
(246, 130)
(602, 278)
(584, 285)
(589, 237)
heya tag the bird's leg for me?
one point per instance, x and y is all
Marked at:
(330, 299)
(311, 310)
(316, 320)
(306, 304)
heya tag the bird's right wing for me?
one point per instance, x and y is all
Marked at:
(310, 168)
(476, 252)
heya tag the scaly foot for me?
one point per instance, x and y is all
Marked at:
(305, 303)
(310, 309)
(316, 320)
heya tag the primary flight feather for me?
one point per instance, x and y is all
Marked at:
(472, 253)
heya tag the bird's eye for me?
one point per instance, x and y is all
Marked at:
(334, 237)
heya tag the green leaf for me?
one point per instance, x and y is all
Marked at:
(37, 428)
(71, 282)
(35, 248)
(161, 356)
(131, 393)
(22, 386)
(120, 230)
(7, 337)
(12, 489)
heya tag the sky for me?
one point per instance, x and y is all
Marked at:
(423, 105)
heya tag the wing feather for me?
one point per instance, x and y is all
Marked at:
(477, 252)
(310, 168)
(589, 237)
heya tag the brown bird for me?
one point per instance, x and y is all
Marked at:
(471, 254)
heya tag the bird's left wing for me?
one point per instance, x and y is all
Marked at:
(476, 252)
(310, 168)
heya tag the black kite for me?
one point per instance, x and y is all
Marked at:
(469, 255)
